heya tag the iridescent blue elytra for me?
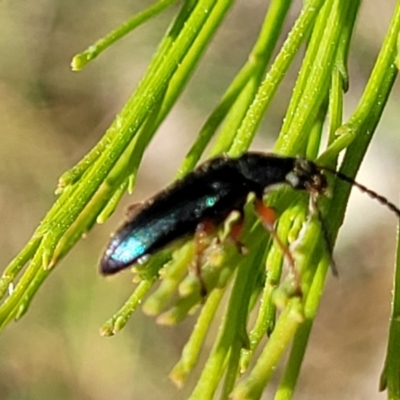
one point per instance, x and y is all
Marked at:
(209, 193)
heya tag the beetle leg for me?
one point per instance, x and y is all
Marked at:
(235, 231)
(268, 218)
(314, 210)
(204, 231)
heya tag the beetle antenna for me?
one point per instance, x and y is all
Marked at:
(383, 200)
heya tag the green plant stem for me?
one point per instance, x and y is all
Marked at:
(234, 324)
(177, 84)
(91, 190)
(341, 191)
(118, 321)
(315, 36)
(252, 387)
(364, 120)
(274, 77)
(390, 378)
(377, 89)
(118, 138)
(266, 314)
(81, 60)
(258, 61)
(314, 78)
(193, 346)
(75, 173)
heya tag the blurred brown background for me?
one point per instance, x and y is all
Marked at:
(50, 117)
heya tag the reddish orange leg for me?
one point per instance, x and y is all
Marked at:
(268, 218)
(235, 232)
(204, 232)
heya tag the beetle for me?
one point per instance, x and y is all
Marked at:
(203, 199)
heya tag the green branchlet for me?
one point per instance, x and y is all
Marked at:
(282, 308)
